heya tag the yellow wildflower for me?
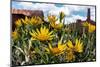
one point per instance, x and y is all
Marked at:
(91, 27)
(85, 24)
(43, 34)
(78, 47)
(36, 20)
(26, 20)
(52, 18)
(15, 34)
(59, 49)
(18, 23)
(54, 23)
(71, 48)
(56, 26)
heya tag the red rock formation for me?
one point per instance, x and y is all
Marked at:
(28, 12)
(19, 13)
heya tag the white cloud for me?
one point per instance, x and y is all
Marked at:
(52, 9)
(30, 5)
(25, 5)
(73, 19)
(82, 8)
(57, 10)
(79, 17)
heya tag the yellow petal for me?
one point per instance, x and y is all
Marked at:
(50, 46)
(79, 46)
(33, 38)
(85, 24)
(69, 43)
(47, 49)
(37, 31)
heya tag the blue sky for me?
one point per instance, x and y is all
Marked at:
(72, 12)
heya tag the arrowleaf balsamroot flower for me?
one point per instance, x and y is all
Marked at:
(54, 23)
(72, 48)
(78, 47)
(18, 23)
(43, 34)
(56, 26)
(59, 49)
(52, 18)
(85, 24)
(91, 27)
(26, 21)
(36, 20)
(15, 35)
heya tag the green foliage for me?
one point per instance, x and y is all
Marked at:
(27, 51)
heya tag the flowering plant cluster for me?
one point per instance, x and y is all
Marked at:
(35, 41)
